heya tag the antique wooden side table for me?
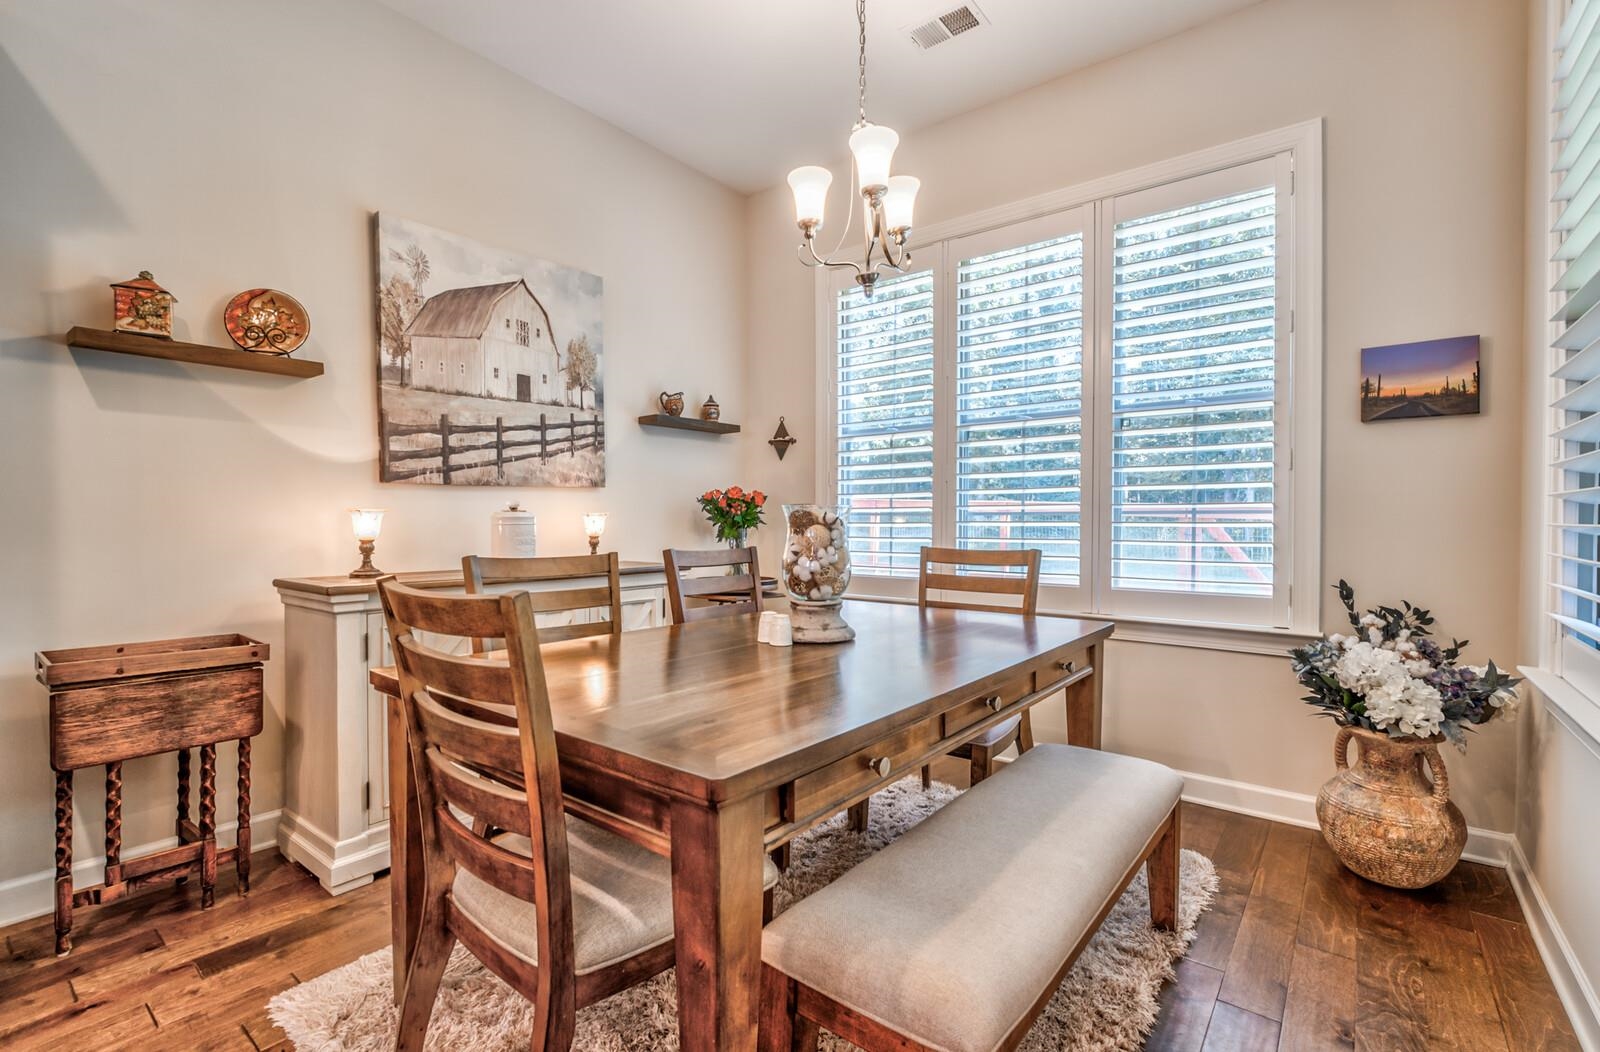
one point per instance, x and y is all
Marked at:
(114, 703)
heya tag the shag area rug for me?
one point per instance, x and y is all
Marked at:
(1108, 1001)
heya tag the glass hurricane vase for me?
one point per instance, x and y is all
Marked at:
(816, 571)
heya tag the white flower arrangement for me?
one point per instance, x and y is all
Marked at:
(1388, 675)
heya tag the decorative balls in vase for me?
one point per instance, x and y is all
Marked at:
(816, 572)
(1399, 694)
(734, 512)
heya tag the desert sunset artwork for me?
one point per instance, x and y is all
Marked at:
(1405, 381)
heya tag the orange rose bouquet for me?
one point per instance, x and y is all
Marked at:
(733, 511)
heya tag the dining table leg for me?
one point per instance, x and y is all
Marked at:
(716, 906)
(1083, 703)
(406, 871)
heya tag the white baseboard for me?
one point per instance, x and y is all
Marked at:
(1300, 809)
(341, 865)
(1572, 985)
(33, 894)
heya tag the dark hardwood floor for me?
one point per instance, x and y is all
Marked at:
(1297, 953)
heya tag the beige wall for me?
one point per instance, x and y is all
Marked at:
(1423, 103)
(1559, 762)
(223, 148)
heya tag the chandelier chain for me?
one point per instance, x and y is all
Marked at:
(861, 80)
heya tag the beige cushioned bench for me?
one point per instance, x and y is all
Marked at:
(955, 936)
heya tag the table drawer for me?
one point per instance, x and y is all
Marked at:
(859, 772)
(985, 705)
(119, 721)
(1057, 671)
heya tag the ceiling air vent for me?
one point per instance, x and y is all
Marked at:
(948, 25)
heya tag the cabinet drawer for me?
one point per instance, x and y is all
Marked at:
(968, 713)
(838, 782)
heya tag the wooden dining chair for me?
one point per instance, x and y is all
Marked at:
(567, 913)
(1022, 584)
(481, 571)
(681, 587)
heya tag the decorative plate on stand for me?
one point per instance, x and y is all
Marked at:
(266, 321)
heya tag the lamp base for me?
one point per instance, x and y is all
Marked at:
(366, 569)
(819, 622)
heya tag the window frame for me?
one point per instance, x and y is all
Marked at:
(1296, 612)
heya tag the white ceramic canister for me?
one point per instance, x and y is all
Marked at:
(513, 533)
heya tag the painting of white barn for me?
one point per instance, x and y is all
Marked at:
(489, 364)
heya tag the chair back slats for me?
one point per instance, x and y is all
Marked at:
(485, 798)
(746, 584)
(561, 633)
(486, 860)
(482, 741)
(446, 615)
(480, 572)
(1024, 585)
(465, 677)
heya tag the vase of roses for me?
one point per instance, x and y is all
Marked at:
(1399, 695)
(733, 512)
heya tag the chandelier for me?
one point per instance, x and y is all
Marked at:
(886, 199)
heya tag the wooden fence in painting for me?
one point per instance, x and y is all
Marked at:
(463, 447)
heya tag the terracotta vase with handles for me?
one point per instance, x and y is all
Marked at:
(1383, 817)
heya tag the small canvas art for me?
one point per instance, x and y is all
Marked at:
(1404, 381)
(489, 364)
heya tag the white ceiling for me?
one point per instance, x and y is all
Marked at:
(744, 90)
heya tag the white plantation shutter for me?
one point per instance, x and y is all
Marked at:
(884, 422)
(1575, 534)
(1108, 381)
(1196, 355)
(1019, 393)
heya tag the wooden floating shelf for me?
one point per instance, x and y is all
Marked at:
(687, 423)
(191, 353)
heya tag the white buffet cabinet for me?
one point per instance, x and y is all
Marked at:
(335, 819)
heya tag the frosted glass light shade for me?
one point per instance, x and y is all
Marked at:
(898, 201)
(366, 523)
(873, 146)
(594, 523)
(810, 185)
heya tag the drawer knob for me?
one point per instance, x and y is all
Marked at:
(993, 702)
(1067, 666)
(881, 766)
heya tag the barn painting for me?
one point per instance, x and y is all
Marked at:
(489, 364)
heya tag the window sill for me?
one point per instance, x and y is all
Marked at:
(1571, 706)
(1236, 639)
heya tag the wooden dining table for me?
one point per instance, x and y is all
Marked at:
(708, 747)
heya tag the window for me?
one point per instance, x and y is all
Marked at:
(885, 422)
(1575, 364)
(1116, 380)
(522, 333)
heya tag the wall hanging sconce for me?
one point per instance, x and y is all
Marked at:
(781, 440)
(594, 524)
(366, 523)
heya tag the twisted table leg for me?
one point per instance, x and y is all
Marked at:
(241, 858)
(63, 862)
(208, 825)
(113, 822)
(183, 800)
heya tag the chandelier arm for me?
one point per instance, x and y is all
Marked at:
(817, 261)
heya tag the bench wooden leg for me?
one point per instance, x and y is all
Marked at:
(860, 816)
(782, 1029)
(982, 764)
(1161, 873)
(927, 776)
